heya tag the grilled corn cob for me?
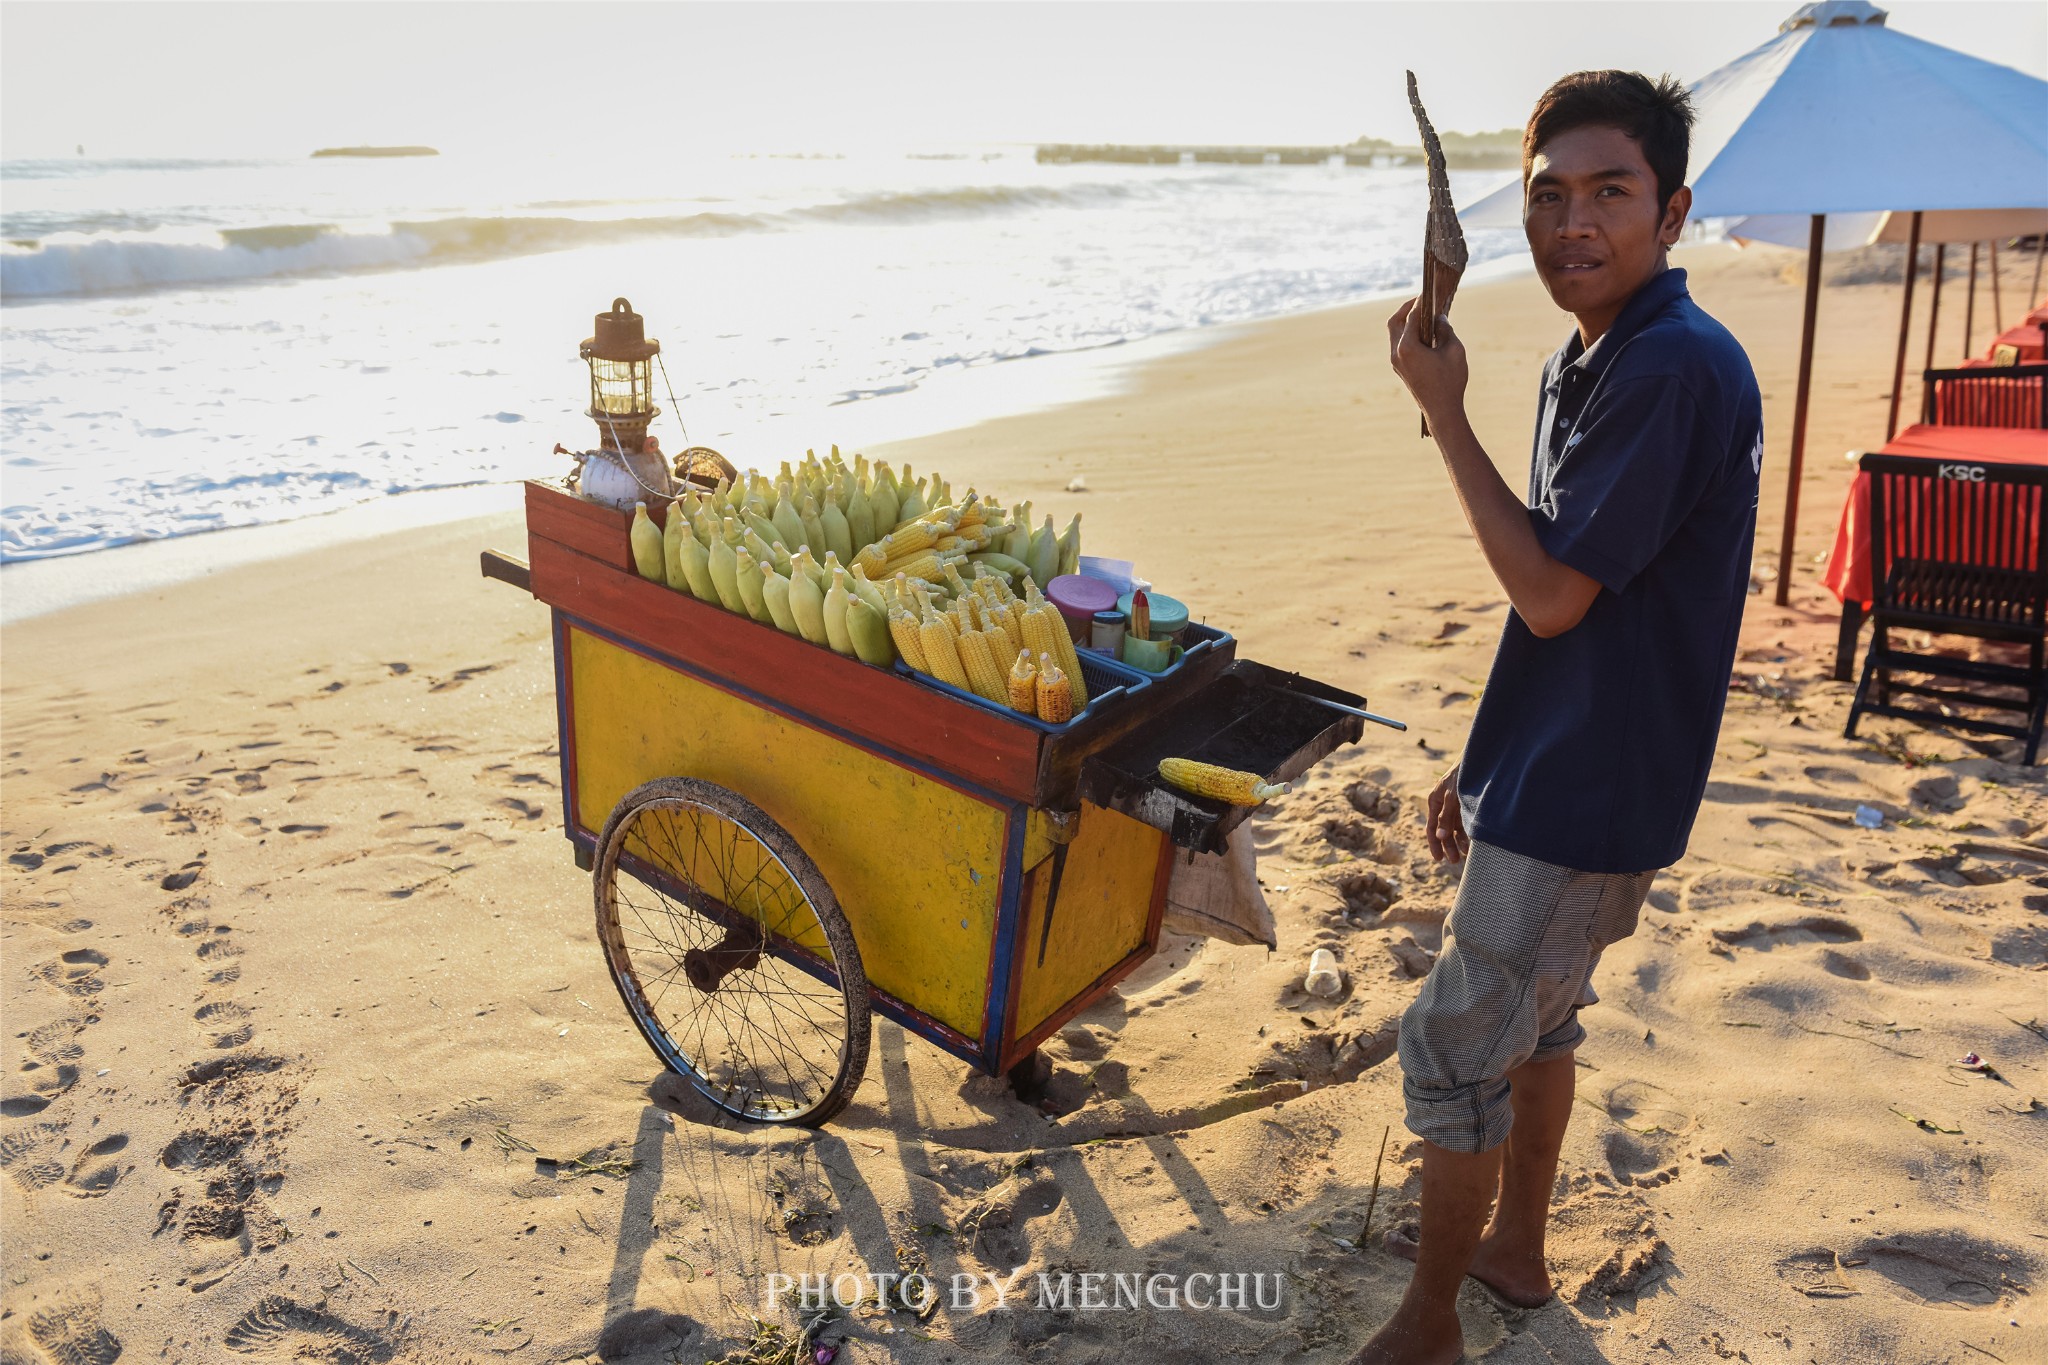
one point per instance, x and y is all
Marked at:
(1022, 681)
(1055, 692)
(1222, 784)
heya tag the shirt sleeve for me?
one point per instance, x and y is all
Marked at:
(1627, 481)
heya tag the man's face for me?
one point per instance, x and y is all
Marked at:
(1594, 224)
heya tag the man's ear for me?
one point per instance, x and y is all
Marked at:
(1675, 214)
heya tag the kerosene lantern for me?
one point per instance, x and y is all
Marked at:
(627, 466)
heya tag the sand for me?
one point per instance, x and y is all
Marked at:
(300, 980)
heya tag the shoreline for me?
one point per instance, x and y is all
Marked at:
(36, 586)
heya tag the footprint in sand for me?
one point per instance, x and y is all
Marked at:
(67, 1329)
(185, 876)
(51, 1081)
(216, 950)
(1366, 893)
(1373, 801)
(75, 972)
(1639, 1159)
(29, 1156)
(57, 1041)
(96, 1171)
(1811, 929)
(1351, 834)
(226, 1022)
(1816, 1274)
(201, 1149)
(461, 676)
(279, 1329)
(1647, 1111)
(1844, 966)
(1950, 1270)
(2025, 946)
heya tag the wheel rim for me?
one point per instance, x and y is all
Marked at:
(725, 960)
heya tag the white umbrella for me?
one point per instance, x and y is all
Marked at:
(1840, 115)
(1846, 231)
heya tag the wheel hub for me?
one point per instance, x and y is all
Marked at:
(738, 951)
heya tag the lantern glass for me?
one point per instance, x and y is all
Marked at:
(621, 388)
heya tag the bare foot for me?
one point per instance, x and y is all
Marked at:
(1409, 1340)
(1512, 1280)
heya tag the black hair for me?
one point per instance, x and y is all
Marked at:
(1657, 114)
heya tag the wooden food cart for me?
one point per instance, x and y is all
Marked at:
(782, 839)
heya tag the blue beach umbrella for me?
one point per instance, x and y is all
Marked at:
(1839, 115)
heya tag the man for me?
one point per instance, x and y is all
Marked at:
(1627, 572)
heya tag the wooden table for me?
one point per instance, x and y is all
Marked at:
(1848, 571)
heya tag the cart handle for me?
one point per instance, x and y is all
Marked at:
(506, 569)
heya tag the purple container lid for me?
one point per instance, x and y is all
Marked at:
(1079, 597)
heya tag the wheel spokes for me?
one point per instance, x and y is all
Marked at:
(728, 959)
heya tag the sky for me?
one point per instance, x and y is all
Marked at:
(277, 78)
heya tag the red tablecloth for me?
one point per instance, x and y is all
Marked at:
(2026, 338)
(1848, 573)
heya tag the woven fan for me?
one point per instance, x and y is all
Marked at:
(1443, 247)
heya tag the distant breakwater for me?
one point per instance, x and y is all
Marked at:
(1473, 159)
(376, 151)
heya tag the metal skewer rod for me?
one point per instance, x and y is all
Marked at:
(1354, 711)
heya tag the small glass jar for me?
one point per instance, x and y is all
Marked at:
(1106, 633)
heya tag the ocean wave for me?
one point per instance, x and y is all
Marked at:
(73, 263)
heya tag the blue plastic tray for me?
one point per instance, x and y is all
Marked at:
(1109, 682)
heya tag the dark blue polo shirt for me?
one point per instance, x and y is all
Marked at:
(1591, 749)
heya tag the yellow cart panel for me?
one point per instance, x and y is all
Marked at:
(917, 864)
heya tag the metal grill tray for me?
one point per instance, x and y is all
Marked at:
(1250, 717)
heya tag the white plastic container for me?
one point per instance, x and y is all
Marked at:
(1324, 977)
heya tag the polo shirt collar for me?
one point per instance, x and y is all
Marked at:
(1661, 290)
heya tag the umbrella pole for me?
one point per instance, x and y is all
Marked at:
(1997, 313)
(2040, 250)
(1891, 425)
(1970, 303)
(1820, 222)
(1934, 303)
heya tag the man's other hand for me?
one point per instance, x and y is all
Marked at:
(1447, 840)
(1436, 376)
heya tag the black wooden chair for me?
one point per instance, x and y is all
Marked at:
(1958, 548)
(1986, 396)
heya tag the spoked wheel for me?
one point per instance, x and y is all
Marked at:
(731, 953)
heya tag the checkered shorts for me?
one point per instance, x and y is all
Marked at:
(1519, 952)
